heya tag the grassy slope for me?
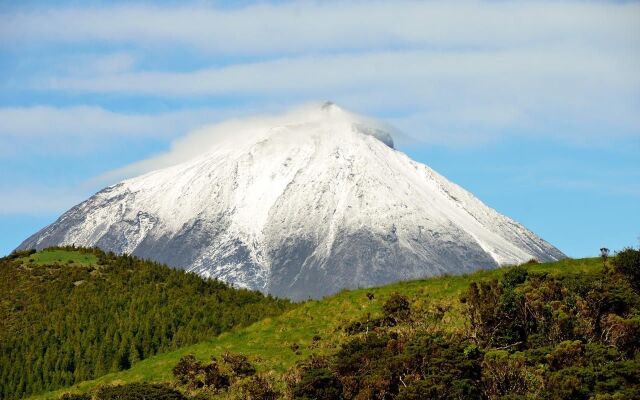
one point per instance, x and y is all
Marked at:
(48, 257)
(268, 342)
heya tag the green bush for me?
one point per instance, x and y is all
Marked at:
(397, 307)
(195, 375)
(515, 276)
(74, 396)
(138, 391)
(528, 336)
(627, 263)
(257, 388)
(239, 364)
(318, 384)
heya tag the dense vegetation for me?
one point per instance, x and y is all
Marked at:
(69, 315)
(561, 330)
(528, 336)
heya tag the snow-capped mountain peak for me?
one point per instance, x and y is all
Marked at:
(313, 202)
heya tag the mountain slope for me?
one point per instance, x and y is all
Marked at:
(269, 342)
(318, 202)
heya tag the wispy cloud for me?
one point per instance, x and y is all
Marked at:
(457, 73)
(81, 128)
(319, 26)
(234, 131)
(454, 73)
(501, 70)
(477, 93)
(91, 121)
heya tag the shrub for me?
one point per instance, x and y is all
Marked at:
(317, 384)
(627, 263)
(239, 364)
(213, 378)
(367, 325)
(195, 375)
(75, 396)
(507, 374)
(449, 366)
(258, 388)
(623, 333)
(186, 369)
(137, 391)
(397, 307)
(514, 277)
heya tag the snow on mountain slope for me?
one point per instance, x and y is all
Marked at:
(300, 209)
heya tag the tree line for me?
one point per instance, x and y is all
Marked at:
(67, 322)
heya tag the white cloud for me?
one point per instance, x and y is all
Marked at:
(91, 122)
(445, 72)
(234, 130)
(318, 26)
(71, 130)
(500, 70)
(486, 89)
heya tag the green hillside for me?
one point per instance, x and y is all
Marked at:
(68, 315)
(275, 345)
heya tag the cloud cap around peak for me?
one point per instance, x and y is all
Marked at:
(235, 132)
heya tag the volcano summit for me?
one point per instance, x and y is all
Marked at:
(314, 203)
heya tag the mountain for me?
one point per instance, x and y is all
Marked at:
(301, 208)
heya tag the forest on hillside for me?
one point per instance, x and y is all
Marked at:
(66, 320)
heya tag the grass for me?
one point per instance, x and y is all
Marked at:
(269, 342)
(48, 257)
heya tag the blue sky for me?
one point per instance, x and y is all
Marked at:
(532, 106)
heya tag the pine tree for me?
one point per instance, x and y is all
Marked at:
(134, 357)
(100, 366)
